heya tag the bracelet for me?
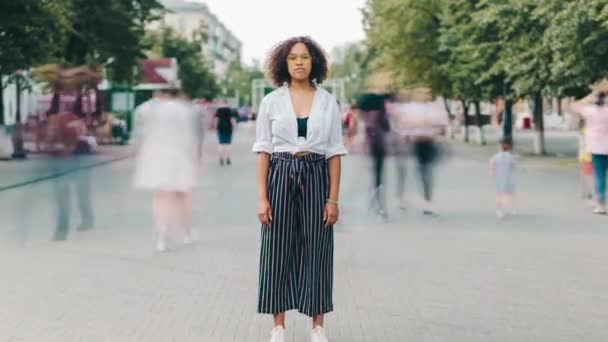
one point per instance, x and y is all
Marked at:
(329, 200)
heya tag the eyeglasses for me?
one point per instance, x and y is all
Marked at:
(293, 58)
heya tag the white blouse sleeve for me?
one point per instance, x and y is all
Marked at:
(263, 141)
(335, 144)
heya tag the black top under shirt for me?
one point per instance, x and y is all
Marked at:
(302, 127)
(225, 116)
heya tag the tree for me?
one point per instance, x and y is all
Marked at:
(464, 63)
(577, 38)
(405, 33)
(237, 82)
(109, 30)
(30, 32)
(480, 50)
(352, 62)
(523, 57)
(197, 79)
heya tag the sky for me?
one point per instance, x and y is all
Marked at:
(260, 24)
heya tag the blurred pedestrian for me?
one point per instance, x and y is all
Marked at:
(399, 141)
(168, 161)
(586, 166)
(69, 171)
(244, 113)
(225, 123)
(502, 168)
(299, 144)
(426, 124)
(596, 141)
(377, 127)
(351, 123)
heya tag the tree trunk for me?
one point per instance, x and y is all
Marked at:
(560, 109)
(507, 121)
(98, 103)
(18, 150)
(447, 108)
(539, 143)
(6, 148)
(1, 101)
(55, 101)
(18, 99)
(450, 117)
(77, 109)
(482, 138)
(465, 108)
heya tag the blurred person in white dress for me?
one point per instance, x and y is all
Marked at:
(168, 139)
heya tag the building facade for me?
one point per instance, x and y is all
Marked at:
(190, 17)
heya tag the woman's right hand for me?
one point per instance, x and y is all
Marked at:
(264, 212)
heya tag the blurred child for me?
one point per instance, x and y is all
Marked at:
(502, 168)
(584, 157)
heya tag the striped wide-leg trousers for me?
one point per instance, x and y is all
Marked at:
(296, 259)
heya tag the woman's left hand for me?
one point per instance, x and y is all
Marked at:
(331, 214)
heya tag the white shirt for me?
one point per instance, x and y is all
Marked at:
(596, 128)
(277, 128)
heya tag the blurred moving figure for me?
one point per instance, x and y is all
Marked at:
(502, 168)
(420, 124)
(586, 166)
(62, 140)
(168, 161)
(225, 123)
(399, 141)
(377, 127)
(596, 142)
(351, 123)
(244, 113)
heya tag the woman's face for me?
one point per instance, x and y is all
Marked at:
(299, 62)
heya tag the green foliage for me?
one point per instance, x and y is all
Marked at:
(353, 63)
(406, 35)
(469, 48)
(30, 32)
(578, 39)
(109, 30)
(197, 79)
(238, 80)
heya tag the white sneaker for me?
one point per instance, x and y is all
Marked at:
(318, 335)
(277, 334)
(187, 240)
(161, 245)
(500, 214)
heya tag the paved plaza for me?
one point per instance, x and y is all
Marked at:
(461, 276)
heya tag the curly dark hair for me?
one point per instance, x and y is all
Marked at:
(276, 64)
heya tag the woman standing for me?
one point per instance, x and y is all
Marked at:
(168, 160)
(224, 123)
(299, 144)
(596, 142)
